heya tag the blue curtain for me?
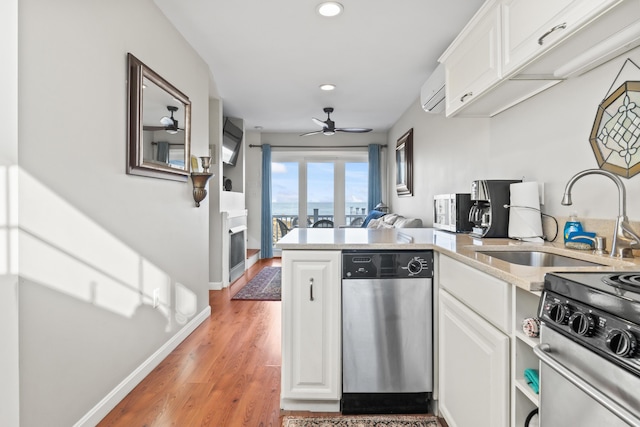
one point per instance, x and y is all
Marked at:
(375, 188)
(163, 152)
(266, 243)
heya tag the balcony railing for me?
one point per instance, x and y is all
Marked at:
(282, 224)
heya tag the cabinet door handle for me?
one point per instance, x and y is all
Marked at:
(311, 289)
(557, 27)
(463, 97)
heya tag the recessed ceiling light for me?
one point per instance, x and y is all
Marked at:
(258, 127)
(327, 86)
(330, 8)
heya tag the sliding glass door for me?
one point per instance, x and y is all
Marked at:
(316, 190)
(320, 194)
(285, 197)
(356, 190)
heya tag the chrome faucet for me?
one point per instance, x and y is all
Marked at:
(624, 238)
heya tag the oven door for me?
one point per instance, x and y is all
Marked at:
(580, 388)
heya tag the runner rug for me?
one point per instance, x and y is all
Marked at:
(362, 421)
(264, 286)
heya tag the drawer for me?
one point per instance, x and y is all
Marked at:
(484, 294)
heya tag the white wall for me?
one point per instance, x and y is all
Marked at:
(214, 191)
(9, 350)
(94, 241)
(545, 139)
(253, 188)
(448, 154)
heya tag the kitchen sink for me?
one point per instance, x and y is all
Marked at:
(539, 259)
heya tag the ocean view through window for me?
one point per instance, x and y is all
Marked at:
(318, 192)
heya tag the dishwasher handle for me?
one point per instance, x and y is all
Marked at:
(542, 350)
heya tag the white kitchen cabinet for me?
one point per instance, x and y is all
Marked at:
(530, 28)
(486, 295)
(473, 368)
(311, 319)
(472, 63)
(497, 61)
(483, 351)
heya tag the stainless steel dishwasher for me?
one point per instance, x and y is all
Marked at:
(387, 331)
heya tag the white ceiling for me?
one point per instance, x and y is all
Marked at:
(268, 57)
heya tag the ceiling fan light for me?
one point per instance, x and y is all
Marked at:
(172, 131)
(327, 86)
(328, 132)
(330, 8)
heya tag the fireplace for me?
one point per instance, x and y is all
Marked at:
(234, 249)
(237, 252)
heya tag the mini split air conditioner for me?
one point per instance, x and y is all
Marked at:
(432, 93)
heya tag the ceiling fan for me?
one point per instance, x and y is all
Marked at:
(169, 124)
(329, 126)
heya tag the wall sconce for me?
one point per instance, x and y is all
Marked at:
(200, 180)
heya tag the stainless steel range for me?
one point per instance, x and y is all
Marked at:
(589, 349)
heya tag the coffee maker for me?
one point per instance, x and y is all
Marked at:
(487, 214)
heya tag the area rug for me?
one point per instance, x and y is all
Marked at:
(265, 286)
(362, 421)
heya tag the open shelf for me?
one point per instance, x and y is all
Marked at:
(524, 399)
(530, 341)
(523, 387)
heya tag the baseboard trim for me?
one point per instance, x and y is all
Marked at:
(215, 286)
(98, 412)
(287, 404)
(252, 260)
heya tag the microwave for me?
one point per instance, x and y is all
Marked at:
(451, 212)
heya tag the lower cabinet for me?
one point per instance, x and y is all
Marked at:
(473, 367)
(482, 349)
(311, 319)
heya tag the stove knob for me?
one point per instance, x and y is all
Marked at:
(621, 343)
(582, 324)
(559, 313)
(414, 266)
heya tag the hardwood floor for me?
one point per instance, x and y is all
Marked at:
(226, 373)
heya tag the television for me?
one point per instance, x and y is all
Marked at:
(231, 142)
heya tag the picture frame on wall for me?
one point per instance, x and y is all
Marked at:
(404, 164)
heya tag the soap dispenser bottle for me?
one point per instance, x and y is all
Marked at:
(572, 226)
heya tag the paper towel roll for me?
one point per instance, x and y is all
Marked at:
(525, 220)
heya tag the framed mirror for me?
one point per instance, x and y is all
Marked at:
(404, 164)
(159, 141)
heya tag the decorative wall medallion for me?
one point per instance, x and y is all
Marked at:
(615, 136)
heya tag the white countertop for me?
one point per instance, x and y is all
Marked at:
(461, 247)
(357, 238)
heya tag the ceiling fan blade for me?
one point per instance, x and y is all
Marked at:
(153, 128)
(353, 130)
(318, 122)
(311, 133)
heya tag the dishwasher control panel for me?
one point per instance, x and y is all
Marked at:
(392, 264)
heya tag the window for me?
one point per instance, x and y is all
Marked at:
(321, 194)
(310, 189)
(356, 191)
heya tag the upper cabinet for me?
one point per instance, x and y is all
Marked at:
(514, 49)
(473, 64)
(530, 28)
